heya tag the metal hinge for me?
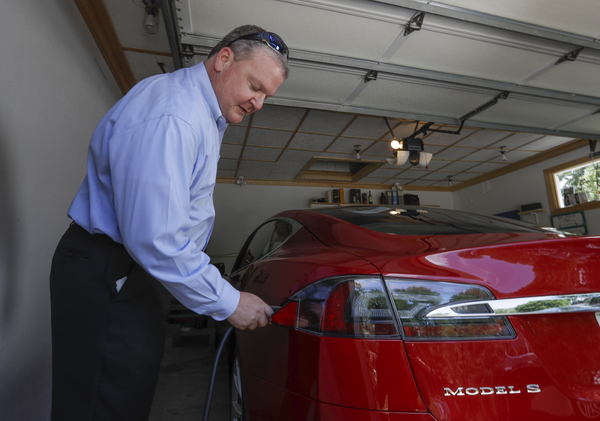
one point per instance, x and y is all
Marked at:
(414, 24)
(187, 50)
(371, 75)
(572, 56)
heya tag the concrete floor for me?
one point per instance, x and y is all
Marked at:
(184, 377)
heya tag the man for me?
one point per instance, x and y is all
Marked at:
(141, 221)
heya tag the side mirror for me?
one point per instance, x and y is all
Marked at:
(221, 267)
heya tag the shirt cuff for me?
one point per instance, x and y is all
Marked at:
(226, 305)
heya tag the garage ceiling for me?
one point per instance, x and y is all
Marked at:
(519, 75)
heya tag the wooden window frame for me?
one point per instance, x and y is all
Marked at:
(551, 187)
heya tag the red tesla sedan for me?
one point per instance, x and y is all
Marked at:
(402, 313)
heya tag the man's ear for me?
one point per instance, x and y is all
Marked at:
(223, 59)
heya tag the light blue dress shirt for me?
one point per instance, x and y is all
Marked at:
(151, 172)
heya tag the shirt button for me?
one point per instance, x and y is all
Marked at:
(214, 314)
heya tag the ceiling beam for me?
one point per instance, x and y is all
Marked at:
(336, 184)
(96, 17)
(150, 52)
(203, 44)
(542, 156)
(425, 117)
(481, 18)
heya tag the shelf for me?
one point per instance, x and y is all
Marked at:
(532, 211)
(325, 204)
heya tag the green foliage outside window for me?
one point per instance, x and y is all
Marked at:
(585, 179)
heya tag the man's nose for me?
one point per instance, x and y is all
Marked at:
(257, 102)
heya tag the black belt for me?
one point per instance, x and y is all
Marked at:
(98, 236)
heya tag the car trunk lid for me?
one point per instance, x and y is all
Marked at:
(546, 367)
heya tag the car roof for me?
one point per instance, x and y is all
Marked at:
(424, 221)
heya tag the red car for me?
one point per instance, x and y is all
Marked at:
(403, 313)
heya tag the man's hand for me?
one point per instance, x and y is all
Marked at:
(250, 313)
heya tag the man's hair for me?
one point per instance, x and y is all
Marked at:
(243, 49)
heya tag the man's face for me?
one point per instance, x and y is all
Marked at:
(242, 86)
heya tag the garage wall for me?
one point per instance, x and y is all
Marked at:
(52, 94)
(240, 209)
(521, 187)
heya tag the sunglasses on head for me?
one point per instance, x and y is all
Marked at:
(271, 39)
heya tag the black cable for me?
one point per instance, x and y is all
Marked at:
(389, 127)
(214, 374)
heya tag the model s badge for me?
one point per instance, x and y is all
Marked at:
(496, 390)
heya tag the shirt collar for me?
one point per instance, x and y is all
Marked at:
(201, 76)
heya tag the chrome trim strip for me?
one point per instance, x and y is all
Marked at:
(519, 306)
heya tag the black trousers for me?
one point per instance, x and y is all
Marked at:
(106, 345)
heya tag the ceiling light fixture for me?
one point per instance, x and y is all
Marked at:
(151, 16)
(450, 182)
(409, 149)
(503, 154)
(397, 187)
(357, 151)
(240, 181)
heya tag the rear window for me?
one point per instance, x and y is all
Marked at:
(414, 220)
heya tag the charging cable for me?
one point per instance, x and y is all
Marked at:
(214, 374)
(211, 385)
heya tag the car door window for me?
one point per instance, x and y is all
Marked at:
(281, 233)
(265, 239)
(259, 245)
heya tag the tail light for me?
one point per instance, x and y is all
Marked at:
(414, 299)
(357, 307)
(360, 307)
